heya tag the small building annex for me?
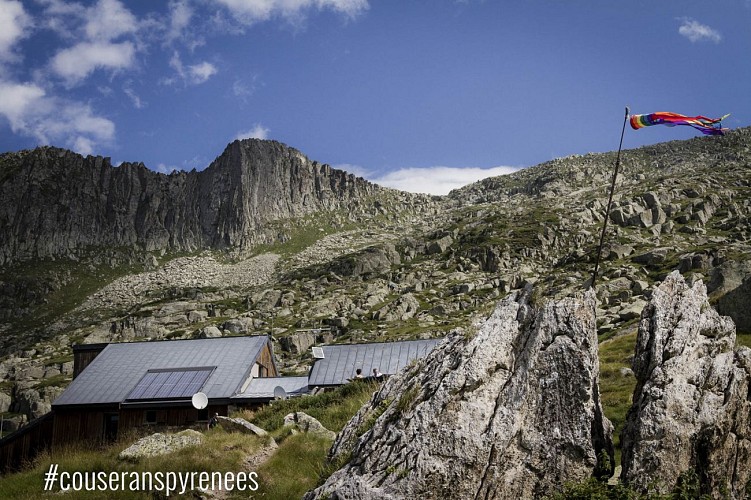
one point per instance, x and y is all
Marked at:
(144, 383)
(337, 364)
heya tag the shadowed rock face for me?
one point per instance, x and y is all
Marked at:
(692, 402)
(54, 202)
(512, 413)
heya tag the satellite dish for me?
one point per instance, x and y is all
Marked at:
(279, 392)
(199, 400)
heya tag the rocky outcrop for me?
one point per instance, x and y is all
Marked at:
(54, 202)
(161, 444)
(513, 412)
(692, 406)
(306, 423)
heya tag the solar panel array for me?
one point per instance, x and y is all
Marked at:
(116, 372)
(170, 384)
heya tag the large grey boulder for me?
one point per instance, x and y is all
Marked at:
(308, 424)
(403, 308)
(513, 412)
(369, 261)
(731, 284)
(5, 401)
(161, 444)
(691, 411)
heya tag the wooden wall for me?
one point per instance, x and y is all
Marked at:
(22, 446)
(84, 354)
(131, 418)
(265, 359)
(74, 426)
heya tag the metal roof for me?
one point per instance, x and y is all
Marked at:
(263, 388)
(340, 361)
(116, 371)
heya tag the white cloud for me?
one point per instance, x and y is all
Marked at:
(437, 180)
(78, 62)
(194, 74)
(697, 32)
(243, 90)
(165, 169)
(16, 100)
(180, 15)
(14, 23)
(31, 112)
(357, 170)
(199, 73)
(257, 132)
(109, 19)
(251, 11)
(134, 98)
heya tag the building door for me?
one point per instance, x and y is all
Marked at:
(110, 426)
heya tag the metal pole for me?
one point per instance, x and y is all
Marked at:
(610, 202)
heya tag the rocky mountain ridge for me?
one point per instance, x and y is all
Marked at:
(55, 203)
(376, 264)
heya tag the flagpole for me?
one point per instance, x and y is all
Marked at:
(610, 202)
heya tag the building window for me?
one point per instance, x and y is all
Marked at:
(150, 417)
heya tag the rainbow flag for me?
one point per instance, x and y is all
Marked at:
(708, 126)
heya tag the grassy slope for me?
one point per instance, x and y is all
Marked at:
(289, 473)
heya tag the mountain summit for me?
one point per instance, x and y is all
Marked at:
(54, 202)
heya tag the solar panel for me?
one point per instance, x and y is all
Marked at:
(318, 353)
(170, 383)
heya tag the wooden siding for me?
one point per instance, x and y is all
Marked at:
(22, 446)
(74, 426)
(265, 359)
(131, 418)
(83, 355)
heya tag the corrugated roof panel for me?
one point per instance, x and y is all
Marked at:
(263, 387)
(386, 362)
(341, 361)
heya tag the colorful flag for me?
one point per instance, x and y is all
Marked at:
(708, 126)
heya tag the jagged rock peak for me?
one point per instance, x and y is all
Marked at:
(691, 414)
(513, 412)
(54, 202)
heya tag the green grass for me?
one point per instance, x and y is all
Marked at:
(333, 409)
(220, 452)
(616, 390)
(743, 339)
(294, 468)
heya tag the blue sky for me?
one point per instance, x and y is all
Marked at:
(421, 95)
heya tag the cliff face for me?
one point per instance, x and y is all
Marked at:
(54, 202)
